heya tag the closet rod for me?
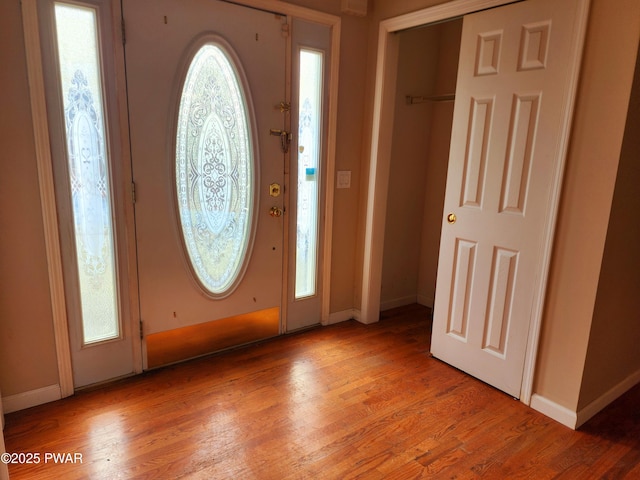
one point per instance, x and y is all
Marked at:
(412, 99)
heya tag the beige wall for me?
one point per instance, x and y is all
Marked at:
(351, 99)
(612, 353)
(27, 350)
(592, 163)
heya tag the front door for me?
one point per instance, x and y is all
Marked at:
(205, 81)
(506, 147)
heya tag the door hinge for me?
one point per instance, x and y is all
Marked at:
(141, 331)
(285, 30)
(124, 37)
(133, 192)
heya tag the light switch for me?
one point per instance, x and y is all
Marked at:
(344, 179)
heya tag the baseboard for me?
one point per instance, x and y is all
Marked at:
(343, 316)
(20, 401)
(608, 397)
(398, 302)
(425, 301)
(555, 411)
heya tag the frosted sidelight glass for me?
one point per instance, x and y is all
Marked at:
(88, 167)
(215, 170)
(309, 146)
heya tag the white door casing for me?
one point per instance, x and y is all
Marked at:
(505, 157)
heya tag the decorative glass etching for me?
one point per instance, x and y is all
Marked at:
(88, 171)
(309, 145)
(215, 170)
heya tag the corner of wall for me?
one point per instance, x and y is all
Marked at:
(586, 413)
(585, 208)
(553, 410)
(343, 316)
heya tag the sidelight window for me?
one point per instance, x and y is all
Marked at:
(88, 168)
(308, 188)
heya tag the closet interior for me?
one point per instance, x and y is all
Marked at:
(425, 96)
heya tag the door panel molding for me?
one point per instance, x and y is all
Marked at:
(380, 159)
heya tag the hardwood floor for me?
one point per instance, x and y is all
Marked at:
(346, 401)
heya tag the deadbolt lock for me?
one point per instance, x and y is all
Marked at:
(274, 189)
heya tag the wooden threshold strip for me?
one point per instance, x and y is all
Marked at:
(183, 343)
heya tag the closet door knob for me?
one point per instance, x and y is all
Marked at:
(451, 218)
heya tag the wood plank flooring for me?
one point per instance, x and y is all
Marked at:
(346, 401)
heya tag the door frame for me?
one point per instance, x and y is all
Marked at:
(51, 228)
(380, 162)
(49, 204)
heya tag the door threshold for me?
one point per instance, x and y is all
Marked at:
(185, 343)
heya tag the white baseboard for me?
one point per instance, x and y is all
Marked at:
(398, 302)
(608, 397)
(553, 410)
(343, 316)
(575, 420)
(20, 401)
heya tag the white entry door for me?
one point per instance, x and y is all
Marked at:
(506, 147)
(205, 81)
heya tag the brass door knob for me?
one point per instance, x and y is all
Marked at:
(451, 218)
(275, 212)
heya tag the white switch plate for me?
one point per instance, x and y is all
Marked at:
(344, 179)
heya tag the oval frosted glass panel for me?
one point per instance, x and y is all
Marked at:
(215, 170)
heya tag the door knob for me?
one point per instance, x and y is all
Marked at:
(275, 212)
(451, 218)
